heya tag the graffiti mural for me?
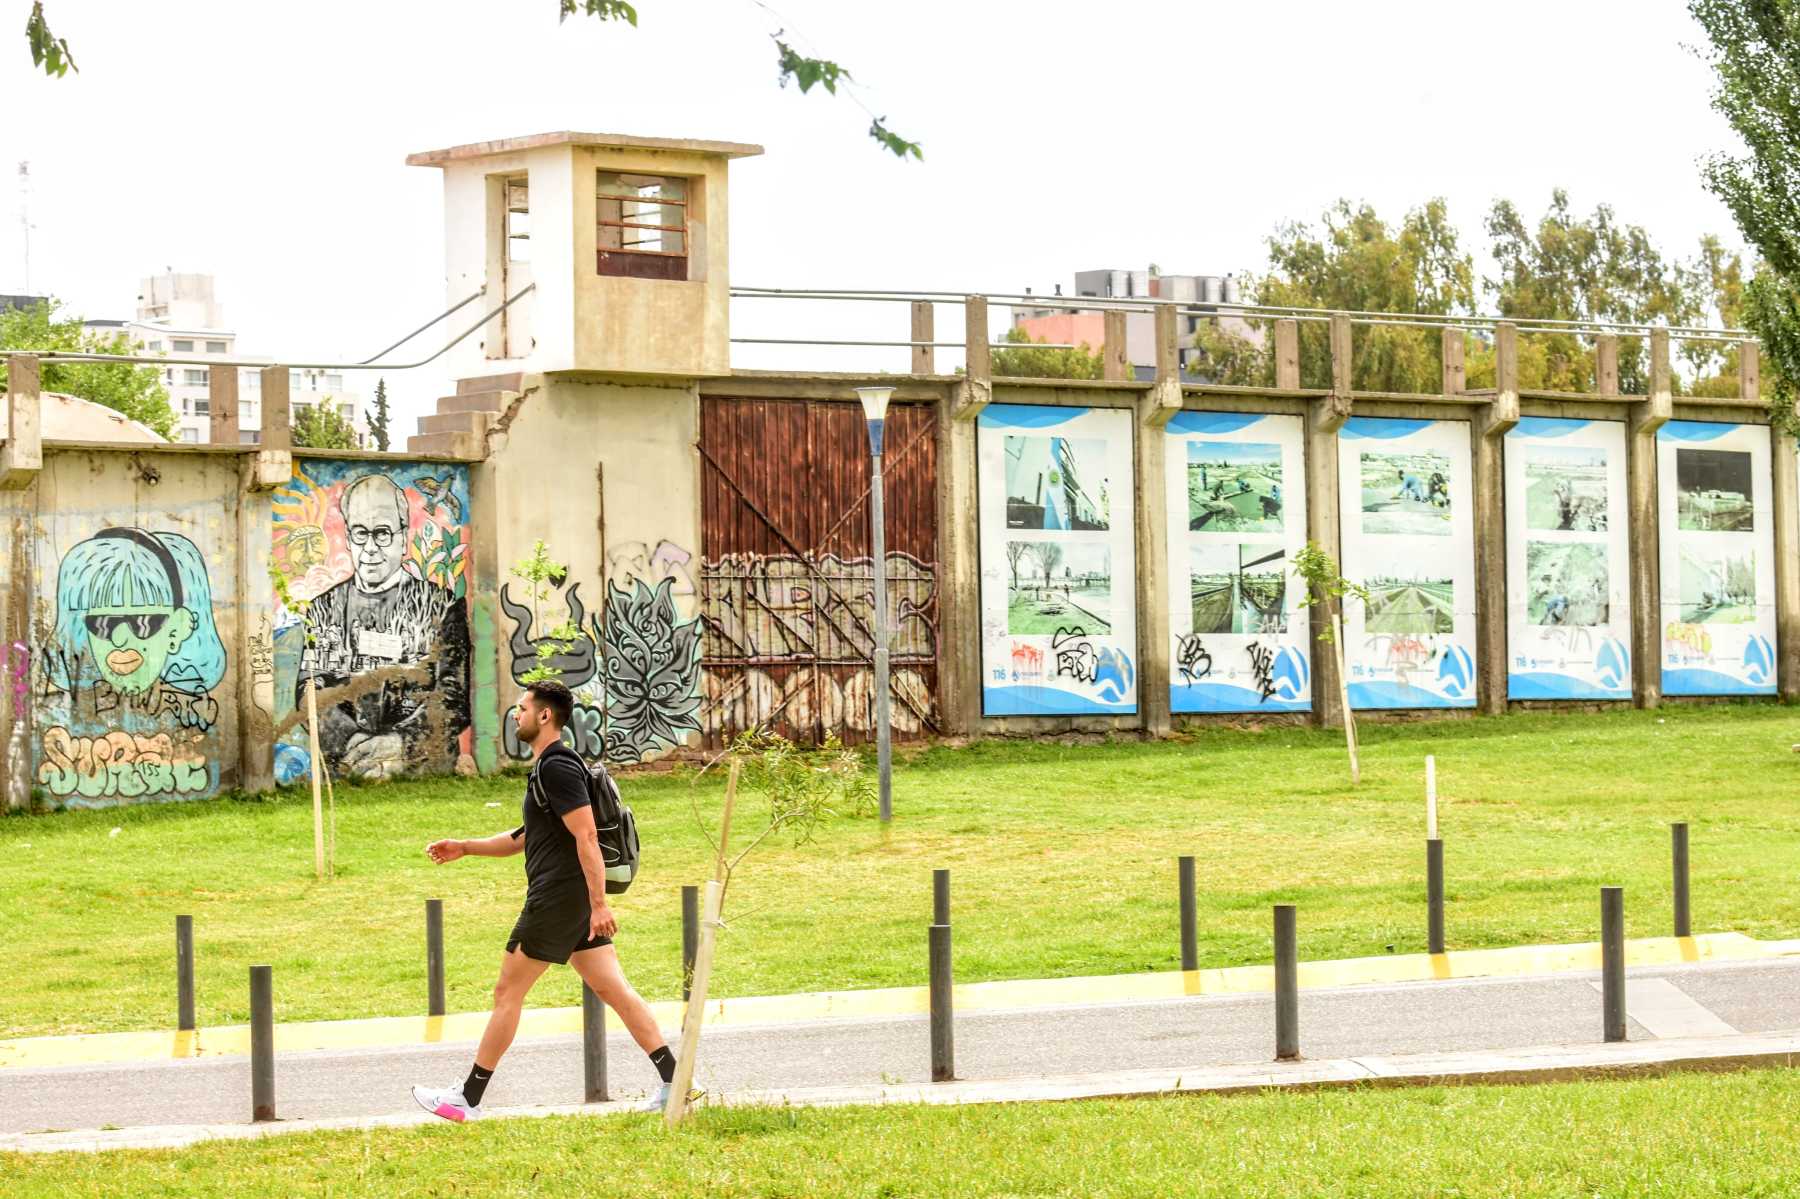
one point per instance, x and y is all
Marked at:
(126, 676)
(382, 556)
(576, 663)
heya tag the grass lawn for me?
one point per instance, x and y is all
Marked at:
(1686, 1135)
(1063, 859)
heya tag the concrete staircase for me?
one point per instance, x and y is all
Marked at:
(459, 426)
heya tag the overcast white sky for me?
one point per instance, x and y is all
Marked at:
(264, 143)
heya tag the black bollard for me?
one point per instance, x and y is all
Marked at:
(1287, 984)
(943, 1042)
(1434, 895)
(1190, 938)
(184, 973)
(1612, 961)
(262, 1044)
(690, 937)
(1684, 923)
(434, 957)
(593, 1046)
(940, 897)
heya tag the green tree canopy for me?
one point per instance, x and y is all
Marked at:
(318, 426)
(1045, 363)
(135, 391)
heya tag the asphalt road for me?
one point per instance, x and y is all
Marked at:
(1707, 999)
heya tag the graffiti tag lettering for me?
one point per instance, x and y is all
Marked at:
(121, 765)
(1192, 659)
(1075, 656)
(1262, 667)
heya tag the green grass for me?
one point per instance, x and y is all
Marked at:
(1685, 1135)
(1081, 606)
(1063, 859)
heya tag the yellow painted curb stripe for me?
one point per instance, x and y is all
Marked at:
(234, 1040)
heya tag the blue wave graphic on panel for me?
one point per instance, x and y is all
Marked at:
(1292, 676)
(1212, 422)
(1692, 681)
(1539, 685)
(1398, 695)
(1026, 416)
(1114, 675)
(1759, 659)
(1456, 672)
(1548, 426)
(1046, 701)
(1693, 430)
(1225, 697)
(1381, 427)
(1612, 665)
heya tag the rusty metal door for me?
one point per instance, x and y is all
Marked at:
(787, 584)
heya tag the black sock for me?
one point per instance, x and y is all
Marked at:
(664, 1061)
(476, 1087)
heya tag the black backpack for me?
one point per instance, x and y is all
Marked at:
(612, 819)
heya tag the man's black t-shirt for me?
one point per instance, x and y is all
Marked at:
(557, 786)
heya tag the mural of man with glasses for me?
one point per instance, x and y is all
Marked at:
(382, 618)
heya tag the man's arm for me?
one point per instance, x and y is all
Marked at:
(580, 823)
(500, 845)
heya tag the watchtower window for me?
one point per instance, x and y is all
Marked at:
(518, 221)
(643, 225)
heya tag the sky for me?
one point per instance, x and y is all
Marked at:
(265, 143)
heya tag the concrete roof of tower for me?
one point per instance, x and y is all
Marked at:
(624, 141)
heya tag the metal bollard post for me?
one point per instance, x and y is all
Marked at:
(1684, 924)
(1612, 961)
(1434, 895)
(943, 1042)
(434, 957)
(1190, 939)
(262, 1044)
(184, 973)
(593, 1046)
(940, 897)
(690, 937)
(1287, 984)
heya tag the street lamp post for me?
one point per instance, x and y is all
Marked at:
(874, 403)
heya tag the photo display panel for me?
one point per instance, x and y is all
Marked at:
(1237, 516)
(1718, 558)
(1408, 535)
(1568, 561)
(1058, 562)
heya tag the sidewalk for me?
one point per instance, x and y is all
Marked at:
(888, 1003)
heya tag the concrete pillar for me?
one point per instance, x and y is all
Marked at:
(1151, 498)
(1787, 529)
(1488, 434)
(1606, 364)
(272, 465)
(959, 571)
(222, 403)
(1287, 353)
(977, 386)
(1324, 417)
(924, 357)
(1641, 505)
(1454, 358)
(1165, 395)
(22, 457)
(1115, 361)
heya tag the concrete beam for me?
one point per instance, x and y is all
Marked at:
(924, 358)
(977, 388)
(222, 405)
(1154, 638)
(1606, 364)
(1165, 396)
(272, 465)
(1287, 354)
(1487, 432)
(959, 572)
(1455, 361)
(1641, 510)
(22, 457)
(1343, 363)
(1115, 360)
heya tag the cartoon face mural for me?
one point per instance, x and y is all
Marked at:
(125, 682)
(382, 556)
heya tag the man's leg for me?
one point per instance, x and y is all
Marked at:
(517, 975)
(599, 969)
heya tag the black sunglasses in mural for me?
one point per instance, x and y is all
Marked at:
(381, 535)
(142, 624)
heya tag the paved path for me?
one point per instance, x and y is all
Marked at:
(1453, 1016)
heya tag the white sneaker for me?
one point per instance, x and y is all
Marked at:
(448, 1103)
(656, 1102)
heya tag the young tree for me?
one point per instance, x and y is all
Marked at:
(378, 425)
(134, 391)
(1049, 556)
(318, 426)
(1078, 363)
(1015, 552)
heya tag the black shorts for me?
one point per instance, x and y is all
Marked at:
(554, 926)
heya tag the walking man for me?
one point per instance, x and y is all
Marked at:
(566, 918)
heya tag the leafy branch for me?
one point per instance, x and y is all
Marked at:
(540, 572)
(1323, 582)
(47, 50)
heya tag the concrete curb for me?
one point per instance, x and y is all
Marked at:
(1538, 1064)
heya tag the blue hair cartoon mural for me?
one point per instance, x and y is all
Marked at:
(128, 676)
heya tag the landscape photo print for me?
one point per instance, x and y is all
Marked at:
(1056, 483)
(1565, 488)
(1713, 490)
(1567, 584)
(1406, 492)
(1234, 487)
(1056, 584)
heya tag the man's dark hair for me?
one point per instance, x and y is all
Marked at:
(557, 697)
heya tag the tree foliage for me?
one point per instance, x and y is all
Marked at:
(1754, 52)
(320, 427)
(378, 424)
(47, 50)
(1045, 363)
(134, 391)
